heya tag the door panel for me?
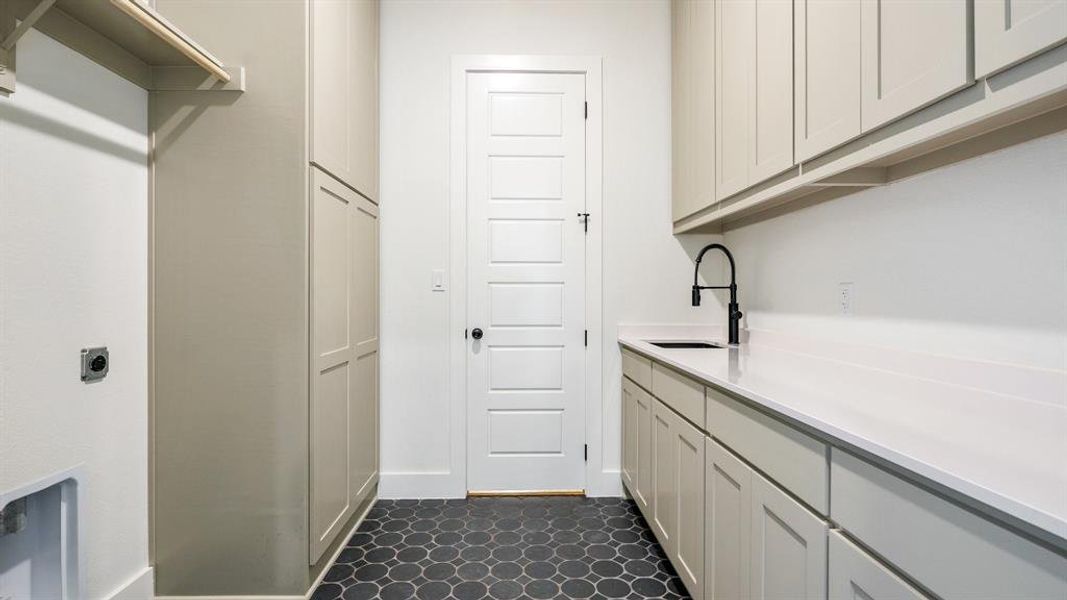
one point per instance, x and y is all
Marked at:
(689, 550)
(364, 308)
(526, 270)
(643, 407)
(735, 28)
(664, 477)
(827, 66)
(1009, 31)
(771, 115)
(788, 546)
(727, 524)
(913, 53)
(629, 436)
(854, 574)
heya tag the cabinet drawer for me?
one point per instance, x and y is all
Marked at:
(679, 392)
(948, 549)
(854, 574)
(795, 460)
(637, 368)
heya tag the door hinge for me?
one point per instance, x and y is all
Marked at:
(587, 453)
(464, 334)
(587, 110)
(584, 216)
(586, 338)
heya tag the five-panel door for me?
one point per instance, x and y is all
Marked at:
(525, 187)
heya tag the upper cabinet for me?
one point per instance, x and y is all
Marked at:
(809, 95)
(1008, 31)
(754, 92)
(692, 106)
(344, 92)
(914, 52)
(827, 70)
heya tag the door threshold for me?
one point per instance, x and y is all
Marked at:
(490, 494)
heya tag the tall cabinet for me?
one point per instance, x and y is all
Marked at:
(264, 312)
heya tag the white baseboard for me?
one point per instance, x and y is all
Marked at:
(140, 587)
(605, 484)
(421, 485)
(231, 597)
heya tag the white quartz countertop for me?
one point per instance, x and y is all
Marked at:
(1006, 452)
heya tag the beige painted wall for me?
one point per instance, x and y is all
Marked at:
(231, 408)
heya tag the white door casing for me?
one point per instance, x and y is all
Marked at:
(526, 281)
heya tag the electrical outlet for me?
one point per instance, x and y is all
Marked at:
(846, 295)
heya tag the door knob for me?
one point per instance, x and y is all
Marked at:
(476, 333)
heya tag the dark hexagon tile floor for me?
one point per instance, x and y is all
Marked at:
(537, 548)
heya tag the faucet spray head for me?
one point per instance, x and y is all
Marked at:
(696, 296)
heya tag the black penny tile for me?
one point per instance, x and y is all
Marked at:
(542, 548)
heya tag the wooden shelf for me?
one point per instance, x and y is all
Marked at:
(129, 38)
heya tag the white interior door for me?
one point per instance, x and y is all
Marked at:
(526, 281)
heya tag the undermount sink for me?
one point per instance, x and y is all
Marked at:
(685, 344)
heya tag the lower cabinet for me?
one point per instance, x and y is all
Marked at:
(759, 541)
(854, 574)
(678, 494)
(637, 440)
(727, 524)
(788, 546)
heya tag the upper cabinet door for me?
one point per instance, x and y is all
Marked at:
(914, 52)
(344, 91)
(692, 106)
(827, 67)
(735, 39)
(1008, 31)
(771, 116)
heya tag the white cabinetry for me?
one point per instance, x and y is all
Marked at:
(344, 91)
(788, 546)
(692, 106)
(678, 506)
(637, 436)
(1009, 31)
(727, 524)
(827, 68)
(855, 574)
(914, 52)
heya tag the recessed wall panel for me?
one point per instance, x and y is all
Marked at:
(526, 114)
(526, 368)
(526, 304)
(525, 432)
(525, 241)
(525, 177)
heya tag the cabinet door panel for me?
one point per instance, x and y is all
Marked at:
(681, 109)
(664, 505)
(914, 52)
(629, 434)
(692, 106)
(344, 91)
(689, 549)
(771, 116)
(643, 416)
(854, 574)
(727, 524)
(1009, 31)
(735, 31)
(364, 310)
(332, 359)
(827, 66)
(788, 546)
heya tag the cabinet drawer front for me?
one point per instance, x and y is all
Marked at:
(637, 368)
(678, 392)
(795, 460)
(854, 574)
(948, 549)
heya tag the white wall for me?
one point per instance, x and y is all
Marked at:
(73, 273)
(967, 261)
(647, 272)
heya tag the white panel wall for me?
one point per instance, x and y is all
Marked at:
(967, 261)
(73, 273)
(647, 272)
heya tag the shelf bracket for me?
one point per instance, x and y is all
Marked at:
(195, 79)
(10, 34)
